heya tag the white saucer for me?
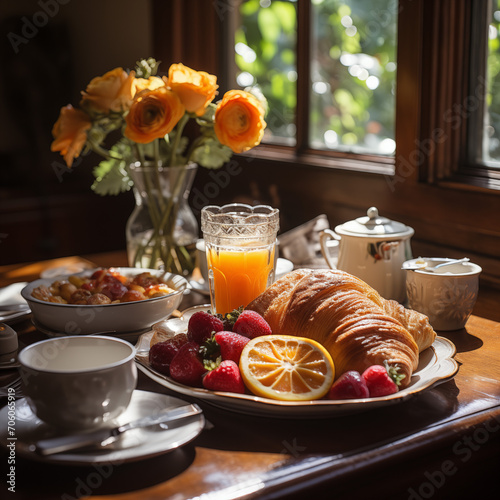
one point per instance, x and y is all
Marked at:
(135, 445)
(283, 266)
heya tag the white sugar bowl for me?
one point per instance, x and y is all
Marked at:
(445, 294)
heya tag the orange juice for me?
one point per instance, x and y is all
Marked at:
(240, 246)
(238, 276)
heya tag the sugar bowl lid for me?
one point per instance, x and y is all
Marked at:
(374, 225)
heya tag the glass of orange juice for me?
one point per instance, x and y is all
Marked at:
(240, 243)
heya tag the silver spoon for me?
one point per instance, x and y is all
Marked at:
(424, 265)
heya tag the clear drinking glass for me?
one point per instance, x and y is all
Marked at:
(240, 245)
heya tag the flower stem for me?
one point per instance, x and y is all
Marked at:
(178, 135)
(193, 147)
(97, 148)
(161, 241)
(157, 165)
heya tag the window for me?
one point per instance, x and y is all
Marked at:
(351, 71)
(353, 75)
(491, 130)
(330, 70)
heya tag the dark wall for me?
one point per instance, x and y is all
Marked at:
(49, 51)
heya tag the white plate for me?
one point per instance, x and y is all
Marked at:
(436, 365)
(135, 445)
(17, 317)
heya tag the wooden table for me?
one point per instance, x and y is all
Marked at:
(443, 443)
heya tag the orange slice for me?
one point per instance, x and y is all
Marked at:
(286, 368)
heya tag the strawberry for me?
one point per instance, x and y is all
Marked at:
(231, 344)
(201, 325)
(187, 366)
(382, 380)
(251, 324)
(350, 385)
(161, 354)
(226, 377)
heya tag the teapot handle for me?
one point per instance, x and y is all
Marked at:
(324, 236)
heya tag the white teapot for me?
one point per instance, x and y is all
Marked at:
(373, 248)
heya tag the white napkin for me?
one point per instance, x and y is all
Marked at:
(11, 294)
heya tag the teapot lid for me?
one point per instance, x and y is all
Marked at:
(374, 225)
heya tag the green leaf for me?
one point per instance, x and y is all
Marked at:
(344, 10)
(393, 373)
(269, 50)
(269, 26)
(288, 57)
(250, 7)
(210, 352)
(111, 178)
(209, 116)
(210, 364)
(212, 154)
(230, 318)
(285, 12)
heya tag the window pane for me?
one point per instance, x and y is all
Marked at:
(265, 56)
(491, 143)
(353, 75)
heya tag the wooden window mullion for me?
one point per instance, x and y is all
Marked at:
(445, 88)
(303, 74)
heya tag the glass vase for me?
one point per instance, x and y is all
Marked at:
(162, 230)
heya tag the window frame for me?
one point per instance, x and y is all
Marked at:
(445, 23)
(474, 170)
(449, 165)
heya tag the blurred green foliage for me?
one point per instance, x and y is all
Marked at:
(352, 70)
(271, 34)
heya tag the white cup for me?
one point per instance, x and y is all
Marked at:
(78, 382)
(446, 296)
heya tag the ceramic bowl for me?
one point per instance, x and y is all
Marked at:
(72, 319)
(446, 295)
(80, 381)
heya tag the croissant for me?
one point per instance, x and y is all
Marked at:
(349, 318)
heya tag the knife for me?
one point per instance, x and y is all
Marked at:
(104, 437)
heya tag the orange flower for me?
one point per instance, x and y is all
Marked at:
(239, 121)
(70, 133)
(111, 92)
(196, 89)
(151, 83)
(153, 114)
